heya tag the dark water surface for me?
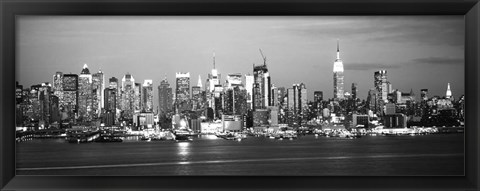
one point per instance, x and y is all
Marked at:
(438, 154)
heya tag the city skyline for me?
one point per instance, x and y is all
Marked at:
(420, 52)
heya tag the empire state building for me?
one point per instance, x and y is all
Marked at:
(338, 76)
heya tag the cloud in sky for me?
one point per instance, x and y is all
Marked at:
(369, 66)
(439, 60)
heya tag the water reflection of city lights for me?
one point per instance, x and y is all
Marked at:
(183, 148)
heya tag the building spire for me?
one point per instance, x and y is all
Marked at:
(214, 59)
(338, 49)
(199, 84)
(449, 92)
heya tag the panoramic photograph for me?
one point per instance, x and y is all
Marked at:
(240, 95)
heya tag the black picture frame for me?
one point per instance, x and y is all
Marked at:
(9, 9)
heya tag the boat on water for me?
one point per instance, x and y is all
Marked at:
(182, 135)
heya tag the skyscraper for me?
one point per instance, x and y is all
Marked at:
(297, 98)
(354, 91)
(98, 85)
(137, 97)
(338, 76)
(113, 84)
(165, 96)
(110, 106)
(127, 96)
(182, 91)
(69, 103)
(380, 82)
(44, 97)
(317, 96)
(147, 96)
(261, 87)
(249, 87)
(85, 101)
(448, 94)
(212, 80)
(58, 85)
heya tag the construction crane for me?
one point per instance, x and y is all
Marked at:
(263, 56)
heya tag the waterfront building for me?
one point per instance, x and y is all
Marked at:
(165, 97)
(127, 96)
(249, 80)
(69, 103)
(360, 120)
(147, 96)
(143, 120)
(232, 123)
(98, 85)
(195, 125)
(397, 120)
(338, 76)
(85, 101)
(182, 91)
(380, 82)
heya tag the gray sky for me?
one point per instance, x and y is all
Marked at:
(417, 51)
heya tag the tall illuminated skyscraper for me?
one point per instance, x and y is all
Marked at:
(338, 76)
(448, 94)
(381, 84)
(182, 91)
(85, 101)
(69, 103)
(261, 87)
(249, 80)
(98, 85)
(165, 97)
(212, 80)
(137, 97)
(147, 96)
(127, 96)
(58, 85)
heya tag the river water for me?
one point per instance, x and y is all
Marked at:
(436, 154)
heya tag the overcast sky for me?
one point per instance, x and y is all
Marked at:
(417, 51)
